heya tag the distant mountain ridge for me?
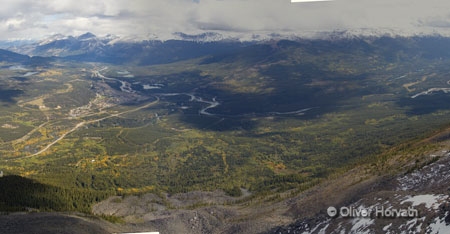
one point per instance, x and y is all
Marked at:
(65, 45)
(62, 46)
(112, 49)
(9, 56)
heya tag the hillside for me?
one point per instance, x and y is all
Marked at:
(234, 137)
(8, 56)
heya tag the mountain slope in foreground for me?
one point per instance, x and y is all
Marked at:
(417, 181)
(420, 182)
(421, 199)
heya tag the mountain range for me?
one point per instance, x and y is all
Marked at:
(112, 49)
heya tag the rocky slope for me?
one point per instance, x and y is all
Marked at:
(417, 202)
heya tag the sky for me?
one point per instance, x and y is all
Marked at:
(38, 19)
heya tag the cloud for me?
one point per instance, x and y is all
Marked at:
(38, 19)
(440, 23)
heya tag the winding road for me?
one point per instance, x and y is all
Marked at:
(89, 122)
(126, 87)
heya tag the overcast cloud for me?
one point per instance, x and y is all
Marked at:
(35, 19)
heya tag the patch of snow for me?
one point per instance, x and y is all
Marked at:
(315, 228)
(125, 74)
(419, 226)
(150, 86)
(360, 225)
(385, 228)
(53, 38)
(30, 74)
(324, 229)
(18, 67)
(439, 226)
(432, 90)
(430, 200)
(411, 223)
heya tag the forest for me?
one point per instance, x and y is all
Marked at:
(273, 119)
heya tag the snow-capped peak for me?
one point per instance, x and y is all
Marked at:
(86, 36)
(55, 37)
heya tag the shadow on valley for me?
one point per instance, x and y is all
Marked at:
(7, 95)
(19, 194)
(312, 93)
(216, 123)
(20, 78)
(426, 104)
